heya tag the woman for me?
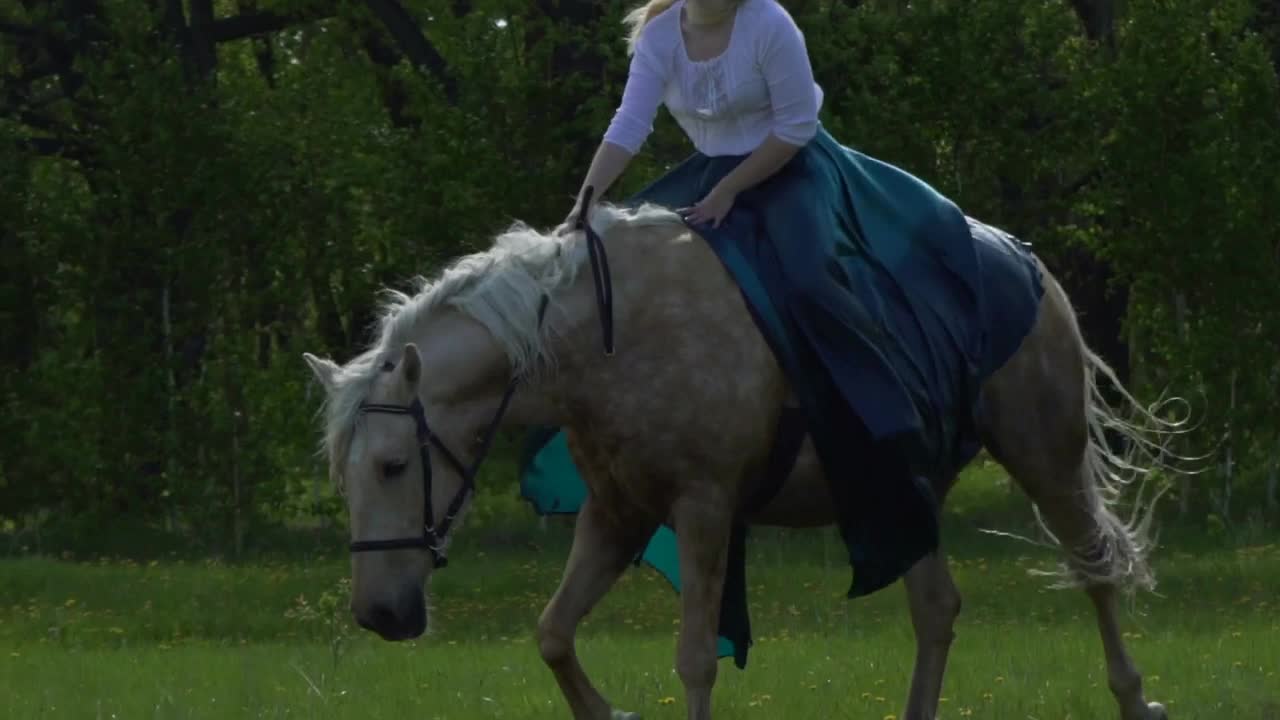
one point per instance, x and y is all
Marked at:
(866, 281)
(736, 76)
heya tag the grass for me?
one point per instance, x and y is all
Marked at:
(168, 635)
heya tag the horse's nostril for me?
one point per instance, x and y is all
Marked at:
(379, 619)
(416, 614)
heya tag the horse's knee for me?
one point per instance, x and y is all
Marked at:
(946, 604)
(934, 608)
(696, 666)
(555, 640)
(942, 607)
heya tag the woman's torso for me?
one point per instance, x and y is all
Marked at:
(717, 90)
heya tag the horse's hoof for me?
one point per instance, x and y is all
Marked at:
(623, 715)
(1153, 711)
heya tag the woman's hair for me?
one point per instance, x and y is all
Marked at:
(641, 15)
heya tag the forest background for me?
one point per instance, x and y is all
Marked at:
(194, 193)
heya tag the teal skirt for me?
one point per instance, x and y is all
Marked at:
(886, 307)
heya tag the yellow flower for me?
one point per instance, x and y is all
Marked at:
(668, 700)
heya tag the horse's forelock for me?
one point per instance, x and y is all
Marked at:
(342, 408)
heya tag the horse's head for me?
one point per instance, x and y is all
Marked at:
(405, 479)
(405, 432)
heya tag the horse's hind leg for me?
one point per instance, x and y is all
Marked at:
(1102, 555)
(1036, 424)
(935, 603)
(601, 551)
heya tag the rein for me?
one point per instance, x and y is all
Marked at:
(434, 535)
(600, 275)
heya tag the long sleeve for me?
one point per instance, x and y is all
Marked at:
(646, 82)
(789, 75)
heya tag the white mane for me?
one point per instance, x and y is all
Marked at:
(501, 288)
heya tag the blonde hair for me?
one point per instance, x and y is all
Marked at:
(642, 14)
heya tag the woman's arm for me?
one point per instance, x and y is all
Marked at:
(768, 157)
(794, 100)
(632, 123)
(608, 164)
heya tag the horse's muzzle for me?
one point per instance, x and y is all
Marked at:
(404, 619)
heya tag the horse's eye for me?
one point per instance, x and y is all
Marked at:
(393, 469)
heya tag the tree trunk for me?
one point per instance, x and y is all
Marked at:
(1229, 466)
(171, 381)
(19, 331)
(1098, 19)
(1180, 317)
(1273, 478)
(1273, 481)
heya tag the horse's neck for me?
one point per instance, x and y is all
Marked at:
(465, 367)
(575, 344)
(464, 363)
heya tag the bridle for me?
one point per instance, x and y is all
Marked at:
(434, 535)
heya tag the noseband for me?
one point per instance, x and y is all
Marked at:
(433, 535)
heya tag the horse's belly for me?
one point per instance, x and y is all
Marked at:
(804, 499)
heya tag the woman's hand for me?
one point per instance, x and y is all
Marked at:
(571, 219)
(711, 209)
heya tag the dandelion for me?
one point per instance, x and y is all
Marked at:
(668, 700)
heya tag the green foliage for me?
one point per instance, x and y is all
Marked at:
(176, 230)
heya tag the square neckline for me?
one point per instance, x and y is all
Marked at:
(684, 48)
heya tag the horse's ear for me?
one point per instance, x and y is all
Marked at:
(325, 370)
(411, 365)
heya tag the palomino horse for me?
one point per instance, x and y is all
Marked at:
(512, 337)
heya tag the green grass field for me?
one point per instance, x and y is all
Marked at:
(171, 636)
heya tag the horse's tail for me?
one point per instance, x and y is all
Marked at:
(1125, 451)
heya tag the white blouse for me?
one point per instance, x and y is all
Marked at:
(762, 83)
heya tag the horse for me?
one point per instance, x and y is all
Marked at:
(668, 410)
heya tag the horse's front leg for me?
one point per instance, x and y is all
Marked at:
(703, 526)
(601, 551)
